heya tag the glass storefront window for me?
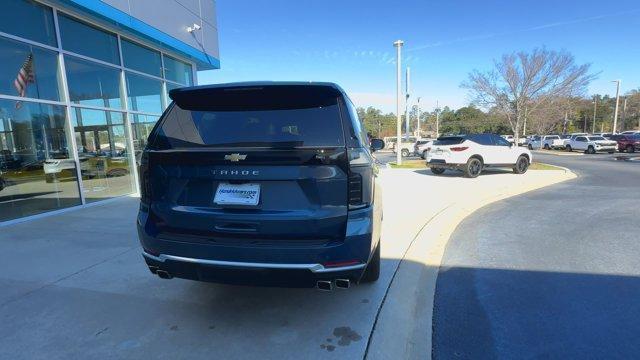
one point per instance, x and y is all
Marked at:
(28, 19)
(169, 87)
(145, 94)
(40, 67)
(87, 40)
(177, 71)
(141, 126)
(93, 84)
(103, 153)
(37, 173)
(140, 58)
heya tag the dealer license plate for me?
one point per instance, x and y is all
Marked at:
(237, 194)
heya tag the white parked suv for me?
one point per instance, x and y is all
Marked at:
(509, 138)
(422, 147)
(592, 144)
(472, 153)
(406, 146)
(548, 142)
(572, 136)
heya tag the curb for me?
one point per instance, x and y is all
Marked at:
(411, 294)
(566, 170)
(542, 152)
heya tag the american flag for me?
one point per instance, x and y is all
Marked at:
(25, 76)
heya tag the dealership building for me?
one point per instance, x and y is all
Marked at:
(82, 83)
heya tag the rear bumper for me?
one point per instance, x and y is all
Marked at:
(254, 274)
(439, 163)
(265, 265)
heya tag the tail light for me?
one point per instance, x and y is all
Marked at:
(459, 148)
(145, 185)
(359, 166)
(355, 189)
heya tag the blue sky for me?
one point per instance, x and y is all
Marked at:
(351, 42)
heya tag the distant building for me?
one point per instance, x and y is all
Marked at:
(82, 83)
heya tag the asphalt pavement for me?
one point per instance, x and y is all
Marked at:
(553, 273)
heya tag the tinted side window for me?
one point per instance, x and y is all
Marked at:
(482, 139)
(359, 130)
(500, 141)
(449, 140)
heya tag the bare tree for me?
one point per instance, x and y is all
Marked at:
(521, 82)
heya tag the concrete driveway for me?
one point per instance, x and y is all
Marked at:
(75, 286)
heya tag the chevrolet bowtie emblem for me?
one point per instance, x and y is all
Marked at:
(235, 157)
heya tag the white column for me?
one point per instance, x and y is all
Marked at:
(398, 44)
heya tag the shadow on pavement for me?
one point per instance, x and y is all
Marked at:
(502, 313)
(457, 173)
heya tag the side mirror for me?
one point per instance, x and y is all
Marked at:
(376, 144)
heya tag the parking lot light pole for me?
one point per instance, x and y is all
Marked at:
(407, 94)
(418, 117)
(615, 114)
(624, 112)
(595, 108)
(437, 119)
(398, 44)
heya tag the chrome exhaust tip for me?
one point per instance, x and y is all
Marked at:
(343, 283)
(163, 274)
(324, 285)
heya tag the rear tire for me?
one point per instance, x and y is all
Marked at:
(404, 153)
(630, 149)
(546, 147)
(590, 150)
(521, 166)
(372, 272)
(568, 148)
(437, 170)
(473, 168)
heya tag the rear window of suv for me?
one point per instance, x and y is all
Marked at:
(253, 123)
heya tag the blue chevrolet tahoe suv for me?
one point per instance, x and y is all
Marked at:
(269, 183)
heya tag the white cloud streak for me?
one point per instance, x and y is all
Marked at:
(534, 28)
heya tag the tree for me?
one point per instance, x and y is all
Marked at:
(521, 82)
(376, 123)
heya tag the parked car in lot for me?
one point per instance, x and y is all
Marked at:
(630, 132)
(566, 139)
(591, 144)
(263, 183)
(389, 142)
(406, 146)
(524, 141)
(421, 148)
(627, 143)
(509, 138)
(548, 142)
(472, 153)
